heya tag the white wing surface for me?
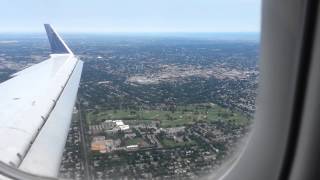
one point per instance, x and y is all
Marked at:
(36, 106)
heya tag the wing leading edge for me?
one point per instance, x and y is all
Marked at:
(36, 109)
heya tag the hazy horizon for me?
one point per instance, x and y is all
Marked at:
(131, 16)
(228, 36)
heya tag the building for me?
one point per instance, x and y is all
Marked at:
(132, 147)
(99, 146)
(109, 126)
(102, 145)
(124, 127)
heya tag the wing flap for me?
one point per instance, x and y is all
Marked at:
(49, 145)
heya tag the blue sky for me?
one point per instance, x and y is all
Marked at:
(131, 15)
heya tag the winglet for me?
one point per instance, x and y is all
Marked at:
(58, 46)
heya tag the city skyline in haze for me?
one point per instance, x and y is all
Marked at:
(99, 16)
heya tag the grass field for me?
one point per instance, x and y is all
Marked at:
(169, 143)
(181, 116)
(134, 141)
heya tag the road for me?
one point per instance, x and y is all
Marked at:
(87, 172)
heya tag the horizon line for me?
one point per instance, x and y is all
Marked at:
(133, 32)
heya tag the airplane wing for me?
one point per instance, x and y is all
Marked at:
(36, 107)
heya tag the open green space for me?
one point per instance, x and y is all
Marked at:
(169, 143)
(182, 115)
(134, 141)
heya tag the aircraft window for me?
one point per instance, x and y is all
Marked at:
(167, 89)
